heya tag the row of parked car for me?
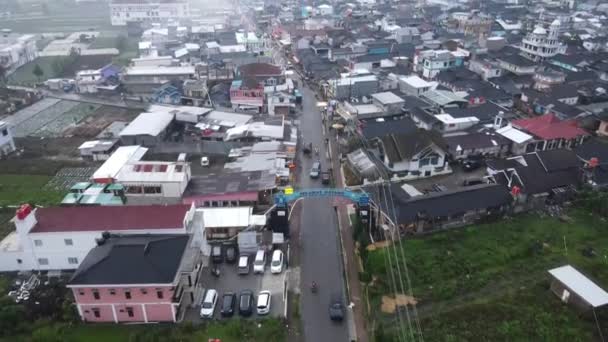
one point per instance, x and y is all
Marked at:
(228, 303)
(228, 253)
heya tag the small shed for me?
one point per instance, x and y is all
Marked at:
(573, 287)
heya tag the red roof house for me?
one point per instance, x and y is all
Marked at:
(549, 127)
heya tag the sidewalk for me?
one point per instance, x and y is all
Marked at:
(351, 264)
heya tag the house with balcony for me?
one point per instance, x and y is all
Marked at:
(59, 238)
(547, 132)
(247, 95)
(266, 73)
(431, 62)
(416, 154)
(137, 279)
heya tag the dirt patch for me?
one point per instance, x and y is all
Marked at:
(100, 119)
(378, 245)
(390, 304)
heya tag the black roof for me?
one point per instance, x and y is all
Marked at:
(517, 60)
(133, 259)
(423, 115)
(450, 203)
(475, 140)
(402, 146)
(373, 128)
(593, 148)
(542, 171)
(371, 58)
(230, 182)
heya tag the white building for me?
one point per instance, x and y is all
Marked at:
(7, 144)
(251, 42)
(414, 85)
(59, 238)
(155, 179)
(325, 9)
(17, 50)
(123, 11)
(542, 44)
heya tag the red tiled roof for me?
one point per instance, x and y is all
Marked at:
(109, 218)
(549, 126)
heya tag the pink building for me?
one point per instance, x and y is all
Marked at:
(137, 278)
(247, 94)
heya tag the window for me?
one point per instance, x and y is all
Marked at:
(130, 312)
(73, 261)
(159, 294)
(37, 243)
(152, 190)
(4, 132)
(112, 292)
(68, 242)
(43, 261)
(95, 294)
(96, 312)
(128, 294)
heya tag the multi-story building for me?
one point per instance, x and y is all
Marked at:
(431, 62)
(17, 50)
(137, 278)
(124, 11)
(59, 238)
(247, 95)
(541, 43)
(7, 144)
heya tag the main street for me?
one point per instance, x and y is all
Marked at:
(319, 242)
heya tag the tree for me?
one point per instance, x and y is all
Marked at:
(3, 74)
(38, 72)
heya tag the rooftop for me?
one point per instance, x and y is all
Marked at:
(124, 154)
(227, 217)
(580, 285)
(109, 218)
(148, 124)
(387, 98)
(549, 126)
(133, 259)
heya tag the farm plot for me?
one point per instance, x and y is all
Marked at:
(69, 119)
(44, 117)
(27, 113)
(68, 176)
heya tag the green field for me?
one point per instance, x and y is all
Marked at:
(490, 282)
(18, 189)
(233, 330)
(25, 76)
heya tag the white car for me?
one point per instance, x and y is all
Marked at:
(259, 263)
(264, 302)
(276, 265)
(204, 161)
(208, 305)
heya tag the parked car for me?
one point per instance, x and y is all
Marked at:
(246, 303)
(336, 309)
(228, 302)
(230, 254)
(325, 177)
(204, 161)
(259, 263)
(315, 170)
(276, 264)
(217, 255)
(243, 266)
(264, 302)
(469, 165)
(208, 304)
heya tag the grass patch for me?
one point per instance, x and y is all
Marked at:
(25, 74)
(234, 330)
(18, 189)
(492, 278)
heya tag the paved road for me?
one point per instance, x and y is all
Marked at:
(320, 257)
